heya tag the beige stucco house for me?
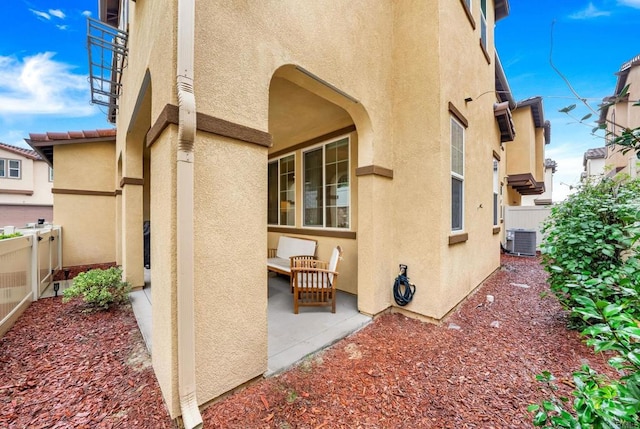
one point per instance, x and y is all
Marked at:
(383, 127)
(25, 187)
(619, 113)
(84, 193)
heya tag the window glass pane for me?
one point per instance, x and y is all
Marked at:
(287, 191)
(496, 190)
(313, 192)
(3, 172)
(272, 194)
(337, 184)
(457, 148)
(483, 7)
(456, 204)
(14, 168)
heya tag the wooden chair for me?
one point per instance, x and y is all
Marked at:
(314, 281)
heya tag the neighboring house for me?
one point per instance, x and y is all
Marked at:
(546, 198)
(619, 113)
(525, 155)
(594, 162)
(25, 187)
(370, 125)
(84, 195)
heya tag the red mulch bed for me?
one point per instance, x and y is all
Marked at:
(62, 368)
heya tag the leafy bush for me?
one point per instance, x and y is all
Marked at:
(588, 248)
(99, 288)
(594, 271)
(13, 235)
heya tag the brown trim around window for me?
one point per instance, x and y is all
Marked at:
(319, 139)
(131, 181)
(375, 170)
(484, 51)
(458, 238)
(209, 124)
(496, 155)
(496, 230)
(351, 235)
(83, 192)
(459, 116)
(469, 14)
(16, 191)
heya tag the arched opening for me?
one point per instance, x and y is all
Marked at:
(313, 195)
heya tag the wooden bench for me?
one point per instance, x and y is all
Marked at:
(279, 260)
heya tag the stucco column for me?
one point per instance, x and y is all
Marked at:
(132, 238)
(376, 254)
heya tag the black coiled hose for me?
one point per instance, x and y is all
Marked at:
(403, 290)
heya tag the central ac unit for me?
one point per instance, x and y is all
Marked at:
(521, 242)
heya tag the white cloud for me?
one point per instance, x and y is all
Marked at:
(39, 85)
(86, 13)
(590, 12)
(62, 27)
(40, 14)
(630, 3)
(57, 13)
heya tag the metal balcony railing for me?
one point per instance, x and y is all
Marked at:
(107, 47)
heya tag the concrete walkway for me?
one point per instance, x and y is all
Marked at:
(291, 337)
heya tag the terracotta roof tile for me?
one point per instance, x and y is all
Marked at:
(72, 135)
(27, 153)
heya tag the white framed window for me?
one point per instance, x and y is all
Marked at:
(282, 191)
(457, 175)
(327, 185)
(496, 192)
(50, 174)
(483, 23)
(11, 168)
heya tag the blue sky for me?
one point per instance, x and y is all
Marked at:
(591, 40)
(44, 67)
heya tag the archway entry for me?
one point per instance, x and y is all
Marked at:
(313, 195)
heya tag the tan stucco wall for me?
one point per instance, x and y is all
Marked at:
(87, 221)
(231, 290)
(521, 152)
(163, 268)
(403, 62)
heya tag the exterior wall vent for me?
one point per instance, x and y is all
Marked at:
(521, 242)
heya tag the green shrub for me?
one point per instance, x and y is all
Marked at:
(15, 234)
(590, 252)
(589, 242)
(99, 288)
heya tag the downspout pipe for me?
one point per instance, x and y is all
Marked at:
(191, 417)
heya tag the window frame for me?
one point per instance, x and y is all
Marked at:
(323, 145)
(483, 25)
(7, 170)
(278, 161)
(456, 175)
(50, 174)
(496, 192)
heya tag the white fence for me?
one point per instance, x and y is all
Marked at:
(526, 217)
(27, 266)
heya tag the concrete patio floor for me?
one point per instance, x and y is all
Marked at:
(291, 337)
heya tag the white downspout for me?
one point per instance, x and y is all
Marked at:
(191, 417)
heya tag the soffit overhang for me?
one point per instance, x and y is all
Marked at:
(505, 121)
(525, 184)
